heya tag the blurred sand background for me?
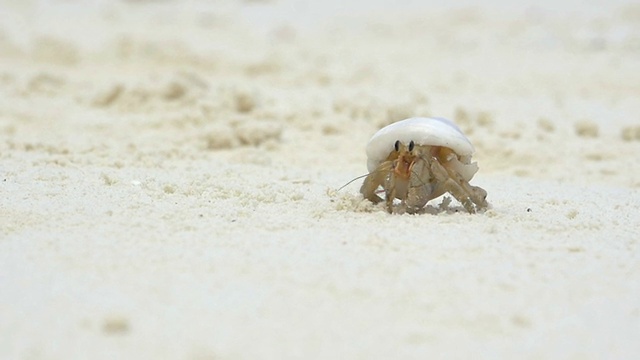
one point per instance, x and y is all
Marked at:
(169, 175)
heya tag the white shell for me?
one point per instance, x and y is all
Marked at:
(423, 131)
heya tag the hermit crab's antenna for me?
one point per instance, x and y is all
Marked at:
(352, 180)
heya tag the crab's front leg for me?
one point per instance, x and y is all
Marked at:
(397, 183)
(374, 180)
(384, 176)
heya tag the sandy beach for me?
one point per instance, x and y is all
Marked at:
(169, 175)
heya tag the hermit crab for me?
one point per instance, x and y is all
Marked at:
(419, 159)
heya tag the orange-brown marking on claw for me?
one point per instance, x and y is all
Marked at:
(404, 164)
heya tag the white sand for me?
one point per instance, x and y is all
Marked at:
(168, 181)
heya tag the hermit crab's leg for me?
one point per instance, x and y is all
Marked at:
(450, 161)
(448, 184)
(375, 180)
(452, 182)
(390, 194)
(396, 187)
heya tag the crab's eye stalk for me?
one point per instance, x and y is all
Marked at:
(411, 145)
(397, 145)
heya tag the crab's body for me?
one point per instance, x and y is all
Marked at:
(419, 159)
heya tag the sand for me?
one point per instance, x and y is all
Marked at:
(169, 177)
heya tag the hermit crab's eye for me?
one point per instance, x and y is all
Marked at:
(411, 145)
(397, 145)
